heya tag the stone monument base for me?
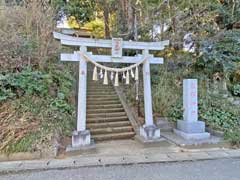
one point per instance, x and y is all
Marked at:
(191, 130)
(81, 140)
(150, 133)
(192, 136)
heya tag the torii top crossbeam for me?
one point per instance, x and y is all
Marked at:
(75, 41)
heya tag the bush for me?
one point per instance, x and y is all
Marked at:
(26, 82)
(233, 136)
(220, 118)
(176, 111)
(40, 105)
(26, 35)
(164, 90)
(236, 89)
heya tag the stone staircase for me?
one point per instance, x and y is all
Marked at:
(106, 117)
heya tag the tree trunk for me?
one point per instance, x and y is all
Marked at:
(130, 18)
(106, 21)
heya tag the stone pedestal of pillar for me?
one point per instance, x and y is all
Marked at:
(150, 132)
(190, 128)
(81, 140)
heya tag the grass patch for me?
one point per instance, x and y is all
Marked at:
(23, 145)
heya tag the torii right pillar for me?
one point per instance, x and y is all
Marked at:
(190, 128)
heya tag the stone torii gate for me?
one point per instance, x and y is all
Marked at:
(81, 136)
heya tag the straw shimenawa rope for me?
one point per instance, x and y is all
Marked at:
(115, 70)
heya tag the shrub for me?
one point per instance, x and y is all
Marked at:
(220, 118)
(164, 90)
(26, 82)
(233, 136)
(26, 35)
(236, 89)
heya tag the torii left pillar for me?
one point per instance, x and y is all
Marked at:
(81, 136)
(149, 131)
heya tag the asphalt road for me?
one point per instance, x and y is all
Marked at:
(227, 169)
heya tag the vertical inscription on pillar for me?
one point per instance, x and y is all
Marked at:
(190, 100)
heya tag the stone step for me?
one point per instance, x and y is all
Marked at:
(99, 82)
(102, 96)
(106, 119)
(105, 110)
(104, 102)
(101, 93)
(108, 124)
(100, 90)
(102, 105)
(110, 130)
(100, 85)
(115, 114)
(113, 136)
(106, 98)
(166, 129)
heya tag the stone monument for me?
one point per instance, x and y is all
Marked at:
(190, 128)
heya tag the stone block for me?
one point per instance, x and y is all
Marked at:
(191, 127)
(81, 141)
(192, 136)
(81, 138)
(150, 132)
(90, 148)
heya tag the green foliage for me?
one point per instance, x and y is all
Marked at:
(61, 105)
(165, 93)
(64, 81)
(228, 12)
(83, 10)
(236, 89)
(221, 55)
(26, 82)
(97, 27)
(234, 136)
(220, 118)
(31, 82)
(5, 94)
(176, 111)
